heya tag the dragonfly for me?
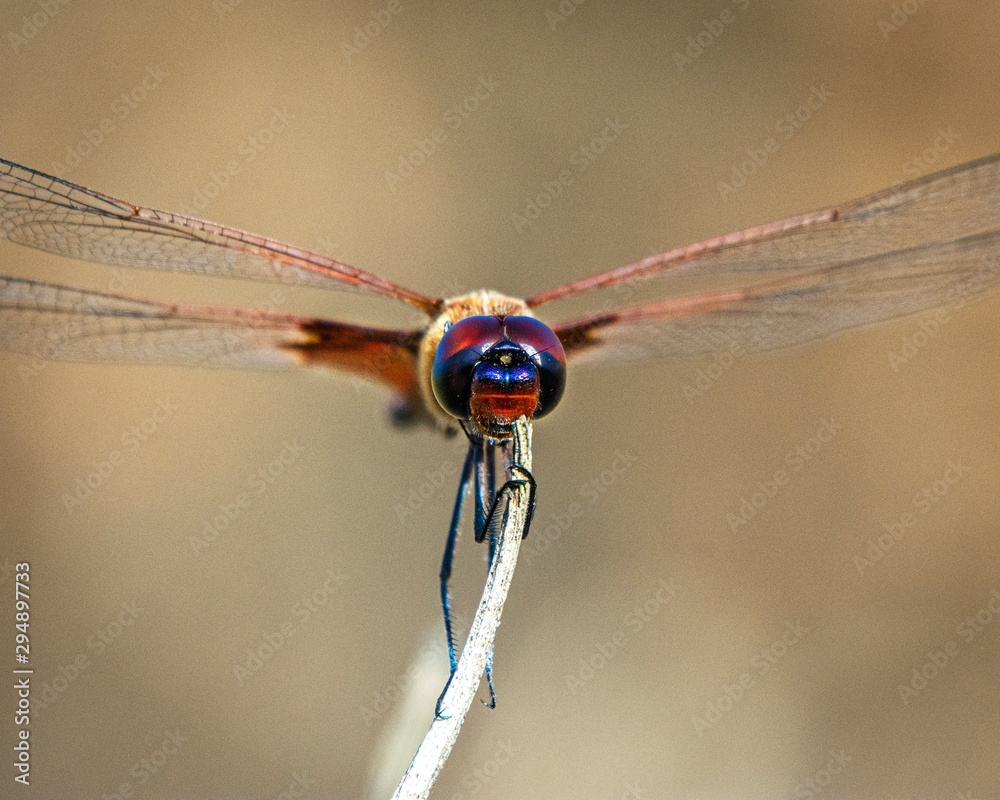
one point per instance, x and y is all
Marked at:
(482, 360)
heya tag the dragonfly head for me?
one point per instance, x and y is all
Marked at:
(491, 370)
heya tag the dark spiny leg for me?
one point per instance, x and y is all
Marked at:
(531, 496)
(489, 681)
(482, 468)
(485, 471)
(481, 462)
(511, 484)
(491, 538)
(489, 497)
(514, 461)
(445, 574)
(489, 531)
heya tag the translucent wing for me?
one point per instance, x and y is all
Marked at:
(47, 213)
(62, 323)
(921, 244)
(938, 208)
(792, 310)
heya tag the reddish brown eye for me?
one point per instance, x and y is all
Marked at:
(494, 369)
(543, 347)
(478, 333)
(458, 352)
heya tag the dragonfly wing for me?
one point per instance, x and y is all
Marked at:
(793, 309)
(944, 207)
(47, 213)
(53, 322)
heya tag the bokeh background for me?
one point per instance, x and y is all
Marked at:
(655, 472)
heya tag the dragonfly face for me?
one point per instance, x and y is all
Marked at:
(491, 370)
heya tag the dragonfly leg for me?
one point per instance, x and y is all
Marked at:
(490, 492)
(489, 681)
(485, 471)
(489, 533)
(485, 498)
(445, 574)
(480, 466)
(511, 484)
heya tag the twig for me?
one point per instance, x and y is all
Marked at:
(441, 736)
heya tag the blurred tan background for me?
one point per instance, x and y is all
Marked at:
(818, 711)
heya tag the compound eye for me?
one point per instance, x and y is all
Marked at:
(458, 352)
(543, 347)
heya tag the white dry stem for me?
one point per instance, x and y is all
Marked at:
(441, 737)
